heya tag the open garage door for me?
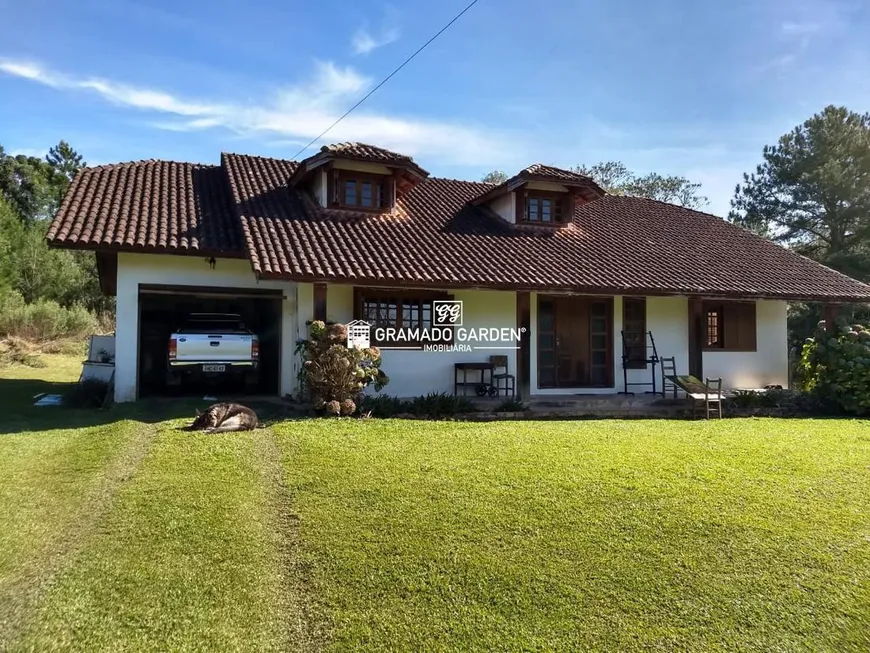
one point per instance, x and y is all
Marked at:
(163, 309)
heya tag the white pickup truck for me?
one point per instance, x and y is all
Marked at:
(213, 345)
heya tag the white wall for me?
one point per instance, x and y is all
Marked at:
(668, 320)
(547, 186)
(755, 369)
(319, 187)
(505, 206)
(136, 269)
(414, 373)
(362, 166)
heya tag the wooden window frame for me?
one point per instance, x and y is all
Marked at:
(382, 187)
(401, 298)
(737, 326)
(632, 363)
(562, 205)
(713, 320)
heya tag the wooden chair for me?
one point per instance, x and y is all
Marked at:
(510, 382)
(712, 398)
(669, 373)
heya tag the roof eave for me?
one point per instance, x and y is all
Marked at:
(322, 158)
(146, 249)
(580, 290)
(523, 178)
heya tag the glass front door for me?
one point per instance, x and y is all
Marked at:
(575, 342)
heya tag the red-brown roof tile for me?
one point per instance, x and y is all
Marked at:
(437, 237)
(366, 152)
(557, 174)
(149, 206)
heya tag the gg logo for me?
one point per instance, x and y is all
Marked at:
(448, 313)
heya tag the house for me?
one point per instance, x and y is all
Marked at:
(548, 268)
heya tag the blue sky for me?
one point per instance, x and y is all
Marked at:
(693, 88)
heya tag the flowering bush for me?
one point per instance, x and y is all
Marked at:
(334, 375)
(835, 367)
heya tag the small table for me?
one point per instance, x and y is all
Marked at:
(483, 368)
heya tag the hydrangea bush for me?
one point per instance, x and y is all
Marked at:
(334, 375)
(835, 367)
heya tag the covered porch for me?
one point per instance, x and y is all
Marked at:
(574, 344)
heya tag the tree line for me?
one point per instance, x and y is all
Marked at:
(31, 190)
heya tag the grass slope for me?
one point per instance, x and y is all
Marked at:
(610, 535)
(185, 561)
(53, 485)
(120, 533)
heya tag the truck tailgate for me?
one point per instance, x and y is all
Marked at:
(217, 347)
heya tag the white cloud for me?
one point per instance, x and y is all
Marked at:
(116, 93)
(37, 152)
(364, 41)
(298, 112)
(793, 29)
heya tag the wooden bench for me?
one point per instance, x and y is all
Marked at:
(709, 393)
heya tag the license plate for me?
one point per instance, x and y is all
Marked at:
(214, 368)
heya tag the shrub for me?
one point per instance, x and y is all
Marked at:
(89, 393)
(44, 320)
(334, 375)
(382, 406)
(440, 404)
(435, 405)
(17, 351)
(749, 399)
(834, 368)
(511, 405)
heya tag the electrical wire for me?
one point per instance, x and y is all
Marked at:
(387, 78)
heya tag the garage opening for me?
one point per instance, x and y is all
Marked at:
(165, 309)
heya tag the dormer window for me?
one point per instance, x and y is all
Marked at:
(361, 191)
(357, 177)
(540, 195)
(544, 208)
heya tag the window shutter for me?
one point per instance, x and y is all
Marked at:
(336, 188)
(746, 338)
(730, 321)
(739, 326)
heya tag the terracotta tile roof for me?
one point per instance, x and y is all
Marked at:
(365, 152)
(357, 152)
(540, 170)
(437, 237)
(149, 206)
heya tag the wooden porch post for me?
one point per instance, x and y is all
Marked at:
(320, 301)
(524, 376)
(696, 338)
(832, 312)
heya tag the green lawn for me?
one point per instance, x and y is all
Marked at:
(123, 533)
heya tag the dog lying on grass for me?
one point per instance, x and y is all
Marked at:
(225, 417)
